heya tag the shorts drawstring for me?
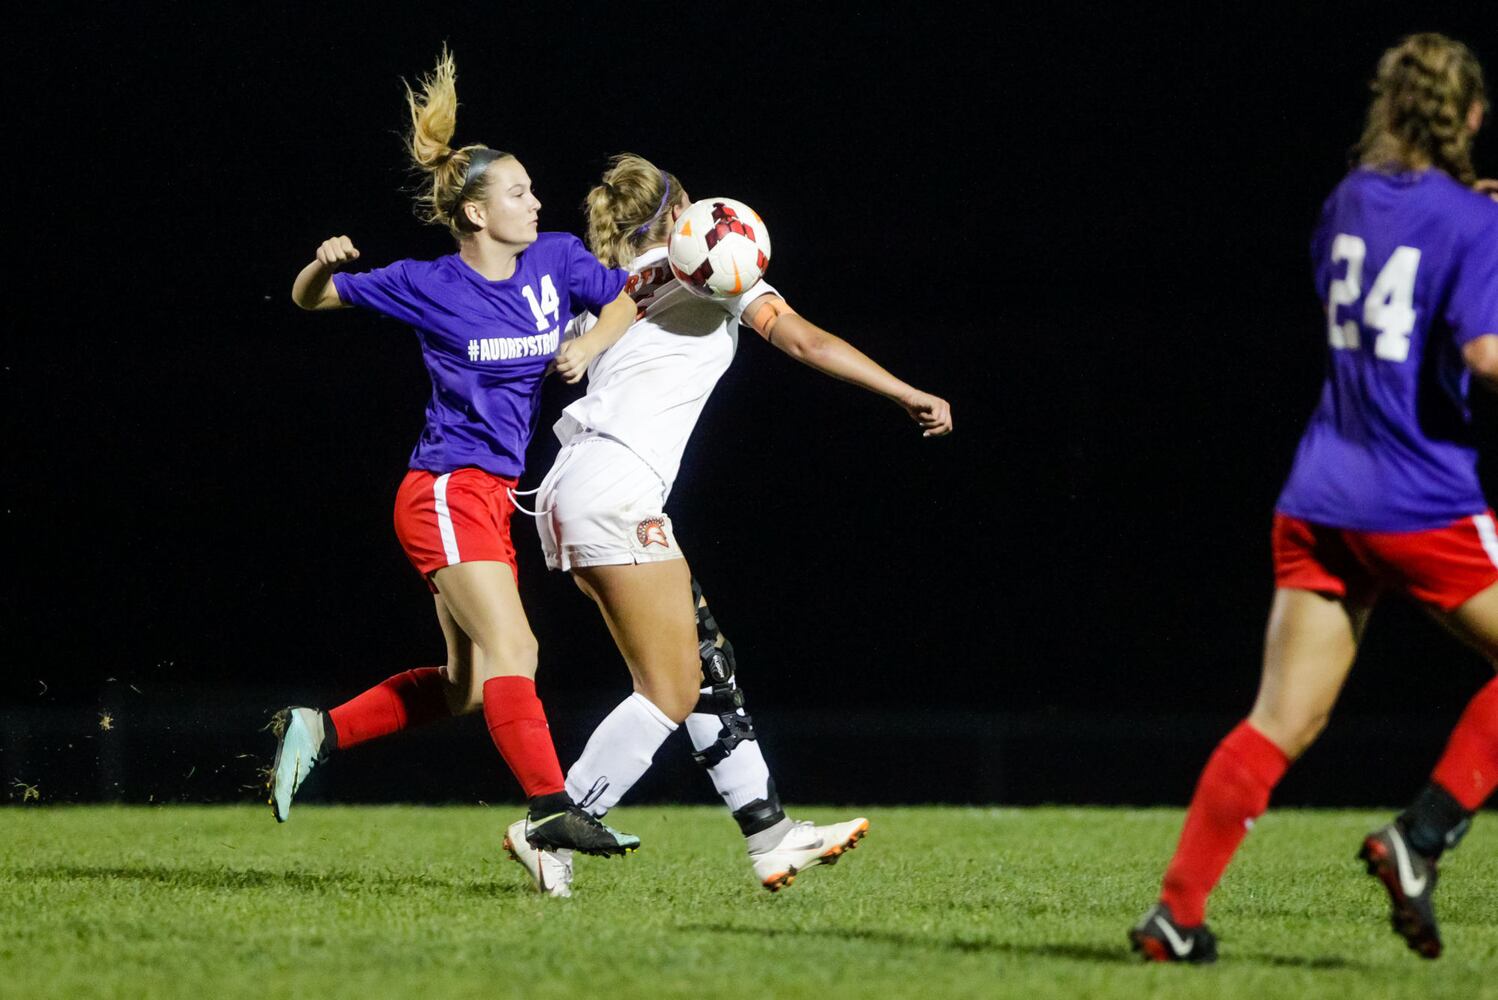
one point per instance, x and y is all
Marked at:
(525, 493)
(556, 466)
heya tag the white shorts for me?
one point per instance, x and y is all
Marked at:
(602, 505)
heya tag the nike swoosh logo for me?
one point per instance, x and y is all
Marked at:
(536, 824)
(1411, 885)
(534, 866)
(1178, 944)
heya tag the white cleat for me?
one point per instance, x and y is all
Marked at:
(299, 740)
(550, 871)
(804, 846)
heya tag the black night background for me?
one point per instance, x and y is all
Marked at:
(1087, 230)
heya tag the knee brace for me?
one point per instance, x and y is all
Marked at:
(724, 699)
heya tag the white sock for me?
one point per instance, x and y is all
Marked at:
(743, 776)
(617, 754)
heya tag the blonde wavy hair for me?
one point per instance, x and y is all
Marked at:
(629, 208)
(434, 118)
(1424, 89)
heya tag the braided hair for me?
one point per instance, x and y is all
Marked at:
(1424, 90)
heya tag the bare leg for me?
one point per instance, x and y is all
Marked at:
(485, 625)
(1309, 647)
(649, 611)
(458, 674)
(1476, 622)
(648, 608)
(484, 606)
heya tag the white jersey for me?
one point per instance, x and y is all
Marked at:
(648, 390)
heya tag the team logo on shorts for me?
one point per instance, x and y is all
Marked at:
(652, 531)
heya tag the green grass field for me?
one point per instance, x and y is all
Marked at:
(937, 902)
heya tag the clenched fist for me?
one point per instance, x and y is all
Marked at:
(337, 253)
(573, 360)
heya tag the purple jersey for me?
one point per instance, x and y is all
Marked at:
(1407, 266)
(486, 343)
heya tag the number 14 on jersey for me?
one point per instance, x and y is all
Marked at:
(549, 303)
(1388, 308)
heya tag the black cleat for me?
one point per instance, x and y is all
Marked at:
(573, 828)
(1410, 878)
(1158, 938)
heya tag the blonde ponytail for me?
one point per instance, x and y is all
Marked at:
(434, 119)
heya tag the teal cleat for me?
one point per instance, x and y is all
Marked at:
(574, 829)
(299, 747)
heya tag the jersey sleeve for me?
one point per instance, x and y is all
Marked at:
(590, 285)
(1472, 308)
(735, 306)
(386, 290)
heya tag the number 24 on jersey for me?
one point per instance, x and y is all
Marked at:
(1388, 308)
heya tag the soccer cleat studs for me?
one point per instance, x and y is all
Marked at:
(1409, 878)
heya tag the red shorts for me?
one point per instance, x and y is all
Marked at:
(458, 516)
(1442, 566)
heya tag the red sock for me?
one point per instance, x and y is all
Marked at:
(1233, 790)
(410, 699)
(1469, 767)
(517, 724)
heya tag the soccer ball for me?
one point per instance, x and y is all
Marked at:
(719, 248)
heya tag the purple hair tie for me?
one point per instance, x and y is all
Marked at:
(659, 208)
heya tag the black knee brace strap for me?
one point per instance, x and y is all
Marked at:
(724, 699)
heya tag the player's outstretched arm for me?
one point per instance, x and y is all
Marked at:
(576, 354)
(1481, 356)
(313, 288)
(832, 355)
